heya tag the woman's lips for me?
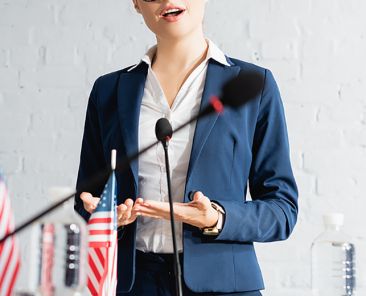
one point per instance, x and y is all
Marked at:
(173, 16)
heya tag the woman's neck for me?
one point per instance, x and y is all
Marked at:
(180, 54)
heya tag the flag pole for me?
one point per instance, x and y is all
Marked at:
(114, 159)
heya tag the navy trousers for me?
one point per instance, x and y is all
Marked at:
(155, 277)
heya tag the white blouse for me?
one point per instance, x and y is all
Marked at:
(155, 235)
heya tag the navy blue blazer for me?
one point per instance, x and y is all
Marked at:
(242, 148)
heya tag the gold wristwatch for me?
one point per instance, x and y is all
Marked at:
(216, 229)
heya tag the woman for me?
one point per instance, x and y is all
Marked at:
(215, 158)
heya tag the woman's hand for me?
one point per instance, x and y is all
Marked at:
(198, 212)
(126, 213)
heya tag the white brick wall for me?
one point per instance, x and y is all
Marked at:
(52, 51)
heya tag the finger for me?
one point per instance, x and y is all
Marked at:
(201, 200)
(144, 211)
(197, 196)
(156, 205)
(139, 200)
(86, 196)
(126, 215)
(151, 216)
(121, 209)
(129, 203)
(123, 215)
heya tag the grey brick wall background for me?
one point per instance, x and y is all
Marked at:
(52, 51)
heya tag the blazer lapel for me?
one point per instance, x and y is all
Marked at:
(130, 92)
(217, 75)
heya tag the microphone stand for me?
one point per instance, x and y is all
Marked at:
(252, 82)
(177, 268)
(100, 177)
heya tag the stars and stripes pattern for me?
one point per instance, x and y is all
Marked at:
(9, 250)
(102, 254)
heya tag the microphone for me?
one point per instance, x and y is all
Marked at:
(235, 93)
(164, 132)
(241, 89)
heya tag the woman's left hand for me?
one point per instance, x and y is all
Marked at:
(198, 212)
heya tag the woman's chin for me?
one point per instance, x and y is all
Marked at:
(175, 32)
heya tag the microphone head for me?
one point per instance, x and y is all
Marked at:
(163, 130)
(241, 89)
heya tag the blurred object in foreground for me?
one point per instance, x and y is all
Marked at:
(333, 260)
(9, 251)
(57, 252)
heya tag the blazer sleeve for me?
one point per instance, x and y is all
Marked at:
(272, 213)
(92, 159)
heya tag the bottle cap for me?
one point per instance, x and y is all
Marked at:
(335, 219)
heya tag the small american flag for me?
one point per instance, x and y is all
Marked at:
(9, 251)
(102, 256)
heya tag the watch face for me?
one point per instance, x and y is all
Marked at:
(217, 228)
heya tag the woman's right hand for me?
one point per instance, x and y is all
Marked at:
(126, 212)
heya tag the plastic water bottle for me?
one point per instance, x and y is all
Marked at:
(58, 252)
(333, 260)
